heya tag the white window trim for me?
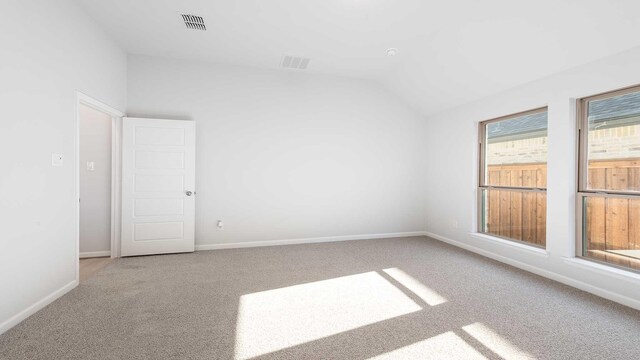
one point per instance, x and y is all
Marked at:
(604, 269)
(530, 249)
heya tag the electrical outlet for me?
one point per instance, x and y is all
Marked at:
(57, 159)
(220, 225)
(454, 224)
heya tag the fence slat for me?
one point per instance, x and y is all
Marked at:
(634, 179)
(541, 219)
(505, 204)
(529, 207)
(493, 197)
(634, 224)
(516, 205)
(595, 221)
(617, 224)
(617, 178)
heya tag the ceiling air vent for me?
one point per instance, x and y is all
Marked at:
(294, 62)
(194, 22)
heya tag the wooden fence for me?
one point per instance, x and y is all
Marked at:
(612, 223)
(516, 214)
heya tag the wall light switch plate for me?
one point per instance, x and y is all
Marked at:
(91, 166)
(57, 159)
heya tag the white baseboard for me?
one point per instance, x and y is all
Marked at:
(249, 244)
(610, 295)
(22, 315)
(93, 254)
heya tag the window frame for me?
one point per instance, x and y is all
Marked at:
(482, 178)
(583, 191)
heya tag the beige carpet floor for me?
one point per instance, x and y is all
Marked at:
(406, 298)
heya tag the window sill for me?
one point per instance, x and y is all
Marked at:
(603, 269)
(512, 244)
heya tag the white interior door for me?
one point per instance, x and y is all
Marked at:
(158, 186)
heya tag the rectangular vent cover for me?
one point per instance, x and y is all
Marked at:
(194, 22)
(294, 62)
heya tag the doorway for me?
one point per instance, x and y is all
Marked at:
(97, 175)
(95, 183)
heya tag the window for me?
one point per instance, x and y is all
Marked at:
(513, 177)
(609, 178)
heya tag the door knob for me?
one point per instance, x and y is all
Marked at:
(189, 193)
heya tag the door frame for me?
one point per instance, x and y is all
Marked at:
(116, 168)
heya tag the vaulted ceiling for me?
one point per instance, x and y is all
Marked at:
(450, 52)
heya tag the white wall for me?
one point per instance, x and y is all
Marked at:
(452, 139)
(95, 185)
(50, 49)
(285, 155)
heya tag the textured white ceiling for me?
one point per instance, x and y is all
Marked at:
(450, 51)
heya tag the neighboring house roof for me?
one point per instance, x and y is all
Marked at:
(601, 112)
(526, 124)
(622, 106)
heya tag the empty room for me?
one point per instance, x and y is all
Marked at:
(336, 179)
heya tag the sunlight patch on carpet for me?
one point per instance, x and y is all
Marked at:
(276, 319)
(443, 346)
(422, 291)
(495, 342)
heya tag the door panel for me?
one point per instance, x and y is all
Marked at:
(158, 174)
(158, 207)
(149, 183)
(159, 160)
